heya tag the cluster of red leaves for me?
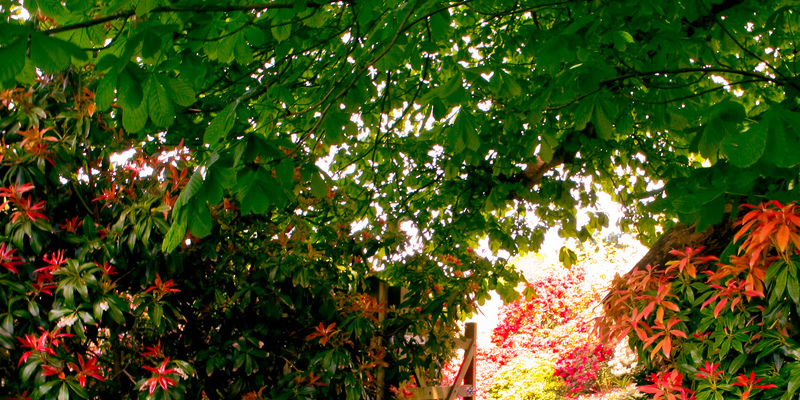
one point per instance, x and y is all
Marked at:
(44, 347)
(558, 298)
(750, 383)
(24, 206)
(580, 366)
(555, 324)
(769, 235)
(160, 377)
(667, 385)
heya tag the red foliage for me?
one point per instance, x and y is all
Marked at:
(579, 367)
(556, 323)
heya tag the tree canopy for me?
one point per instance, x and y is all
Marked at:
(277, 155)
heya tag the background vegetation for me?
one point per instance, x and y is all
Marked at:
(199, 197)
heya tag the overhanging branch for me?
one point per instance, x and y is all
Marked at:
(165, 9)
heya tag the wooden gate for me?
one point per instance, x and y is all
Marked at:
(466, 373)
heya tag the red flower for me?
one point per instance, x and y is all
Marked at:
(48, 370)
(154, 351)
(31, 211)
(709, 372)
(109, 195)
(159, 378)
(750, 384)
(665, 384)
(106, 269)
(88, 368)
(324, 332)
(53, 262)
(13, 193)
(39, 345)
(162, 288)
(34, 136)
(7, 259)
(71, 225)
(44, 284)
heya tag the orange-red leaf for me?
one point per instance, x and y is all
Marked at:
(783, 237)
(676, 332)
(720, 306)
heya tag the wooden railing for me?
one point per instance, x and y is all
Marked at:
(466, 373)
(463, 386)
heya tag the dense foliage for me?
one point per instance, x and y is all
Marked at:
(719, 327)
(278, 154)
(552, 328)
(527, 378)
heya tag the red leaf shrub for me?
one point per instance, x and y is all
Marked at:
(555, 322)
(580, 367)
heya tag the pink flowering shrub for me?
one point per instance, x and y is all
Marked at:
(580, 367)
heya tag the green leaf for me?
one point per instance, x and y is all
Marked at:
(242, 51)
(221, 125)
(104, 94)
(793, 286)
(201, 223)
(143, 7)
(107, 62)
(720, 121)
(53, 55)
(467, 127)
(783, 138)
(63, 392)
(336, 122)
(179, 90)
(737, 363)
(625, 36)
(285, 172)
(134, 118)
(129, 90)
(712, 212)
(584, 113)
(744, 148)
(225, 49)
(318, 187)
(151, 44)
(158, 104)
(601, 120)
(189, 191)
(256, 191)
(28, 74)
(29, 369)
(794, 381)
(548, 144)
(255, 36)
(176, 233)
(452, 86)
(567, 257)
(220, 176)
(282, 32)
(780, 284)
(13, 57)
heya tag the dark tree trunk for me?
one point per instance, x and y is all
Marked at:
(715, 239)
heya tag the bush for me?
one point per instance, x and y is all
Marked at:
(580, 367)
(718, 327)
(527, 378)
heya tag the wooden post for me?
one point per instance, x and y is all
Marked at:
(380, 374)
(466, 373)
(471, 332)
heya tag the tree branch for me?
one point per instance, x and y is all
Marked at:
(166, 9)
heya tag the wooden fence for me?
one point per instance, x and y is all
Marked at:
(466, 372)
